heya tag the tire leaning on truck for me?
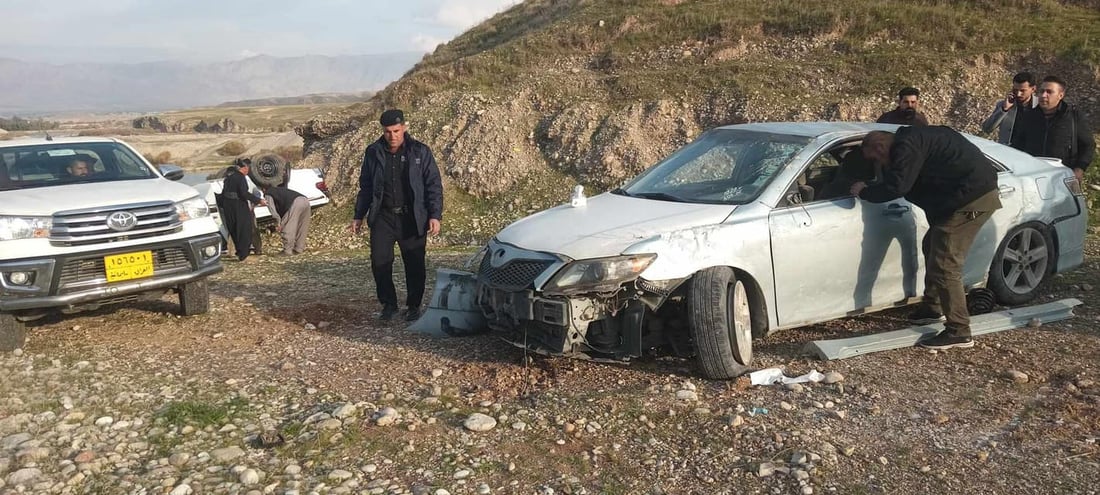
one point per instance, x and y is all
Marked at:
(13, 333)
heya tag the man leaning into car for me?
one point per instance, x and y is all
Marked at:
(401, 197)
(943, 173)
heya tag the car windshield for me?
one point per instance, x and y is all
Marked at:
(723, 166)
(41, 165)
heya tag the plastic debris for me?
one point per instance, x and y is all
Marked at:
(758, 410)
(771, 376)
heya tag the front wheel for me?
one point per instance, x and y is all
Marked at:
(1022, 264)
(194, 298)
(13, 333)
(721, 323)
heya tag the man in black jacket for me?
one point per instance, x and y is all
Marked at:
(940, 171)
(1058, 130)
(236, 207)
(291, 212)
(908, 110)
(401, 198)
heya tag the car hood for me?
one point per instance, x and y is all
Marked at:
(45, 201)
(607, 225)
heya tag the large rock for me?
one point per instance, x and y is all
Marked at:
(480, 422)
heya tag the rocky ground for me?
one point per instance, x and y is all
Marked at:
(290, 386)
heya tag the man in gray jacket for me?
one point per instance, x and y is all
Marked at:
(1010, 111)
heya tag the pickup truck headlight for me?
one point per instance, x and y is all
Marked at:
(192, 208)
(15, 228)
(600, 273)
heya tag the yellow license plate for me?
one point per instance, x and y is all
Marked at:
(128, 266)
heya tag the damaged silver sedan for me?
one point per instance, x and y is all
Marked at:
(748, 230)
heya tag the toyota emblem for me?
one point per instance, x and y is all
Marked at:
(121, 221)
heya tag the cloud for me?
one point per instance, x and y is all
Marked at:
(462, 14)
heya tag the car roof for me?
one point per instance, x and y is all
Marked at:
(814, 129)
(33, 141)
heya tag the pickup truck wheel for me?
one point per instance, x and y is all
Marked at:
(721, 323)
(1022, 264)
(13, 333)
(269, 170)
(194, 298)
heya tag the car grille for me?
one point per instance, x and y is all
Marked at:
(80, 273)
(515, 275)
(80, 227)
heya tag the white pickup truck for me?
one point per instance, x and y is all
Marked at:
(86, 222)
(307, 181)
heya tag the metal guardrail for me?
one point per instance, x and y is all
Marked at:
(907, 337)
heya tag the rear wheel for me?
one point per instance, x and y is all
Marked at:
(721, 323)
(1022, 264)
(13, 333)
(194, 298)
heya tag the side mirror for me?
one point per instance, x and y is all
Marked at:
(170, 172)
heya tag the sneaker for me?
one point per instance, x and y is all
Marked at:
(946, 340)
(412, 314)
(923, 316)
(388, 312)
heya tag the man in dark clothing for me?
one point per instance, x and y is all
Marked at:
(237, 203)
(908, 110)
(1009, 112)
(940, 171)
(291, 212)
(1058, 130)
(401, 198)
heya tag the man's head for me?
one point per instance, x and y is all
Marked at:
(909, 98)
(393, 128)
(876, 147)
(79, 167)
(244, 165)
(1051, 92)
(1023, 87)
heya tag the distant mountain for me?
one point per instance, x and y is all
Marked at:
(313, 99)
(33, 88)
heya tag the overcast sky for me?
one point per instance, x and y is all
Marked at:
(131, 31)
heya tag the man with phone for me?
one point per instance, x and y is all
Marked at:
(1009, 112)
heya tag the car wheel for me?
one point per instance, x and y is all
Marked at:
(1022, 264)
(194, 298)
(13, 333)
(269, 170)
(721, 323)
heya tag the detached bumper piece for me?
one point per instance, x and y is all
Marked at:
(908, 337)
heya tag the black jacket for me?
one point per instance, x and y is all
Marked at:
(902, 117)
(935, 168)
(281, 199)
(235, 187)
(1065, 135)
(424, 180)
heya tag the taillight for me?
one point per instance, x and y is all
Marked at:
(321, 186)
(1074, 186)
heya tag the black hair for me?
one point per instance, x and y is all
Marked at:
(908, 91)
(1024, 77)
(1057, 80)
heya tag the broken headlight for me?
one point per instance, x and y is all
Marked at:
(192, 208)
(15, 228)
(600, 273)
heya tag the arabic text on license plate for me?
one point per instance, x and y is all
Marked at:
(128, 266)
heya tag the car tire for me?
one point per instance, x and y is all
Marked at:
(13, 333)
(269, 170)
(194, 298)
(720, 318)
(1022, 264)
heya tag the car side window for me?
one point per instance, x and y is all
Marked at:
(128, 166)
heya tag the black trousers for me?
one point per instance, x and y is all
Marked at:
(401, 229)
(238, 220)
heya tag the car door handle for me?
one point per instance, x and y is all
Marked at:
(895, 210)
(1006, 190)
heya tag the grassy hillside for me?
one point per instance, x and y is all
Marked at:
(553, 92)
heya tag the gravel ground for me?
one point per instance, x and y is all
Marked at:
(290, 386)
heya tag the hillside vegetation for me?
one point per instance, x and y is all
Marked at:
(554, 92)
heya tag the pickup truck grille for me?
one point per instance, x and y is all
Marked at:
(80, 273)
(515, 275)
(82, 227)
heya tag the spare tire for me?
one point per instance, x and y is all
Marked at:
(269, 170)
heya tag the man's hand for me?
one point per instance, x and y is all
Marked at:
(1011, 100)
(1079, 173)
(278, 228)
(356, 226)
(433, 226)
(857, 188)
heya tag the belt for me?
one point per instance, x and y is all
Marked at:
(397, 210)
(230, 195)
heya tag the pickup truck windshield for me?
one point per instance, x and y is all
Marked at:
(723, 166)
(42, 165)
